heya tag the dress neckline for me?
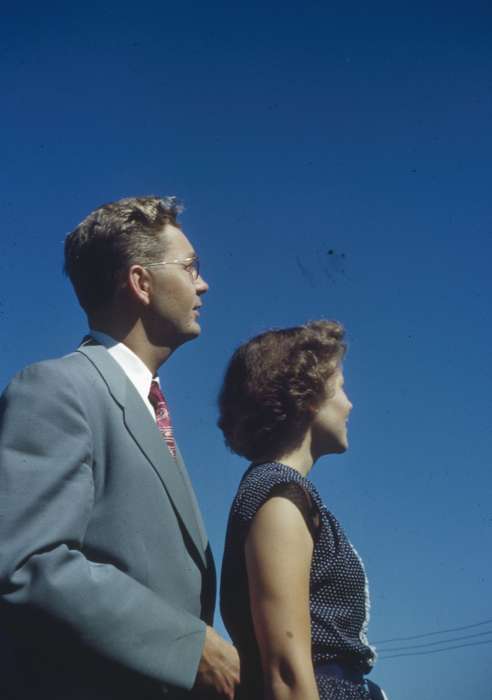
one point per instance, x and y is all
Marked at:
(276, 463)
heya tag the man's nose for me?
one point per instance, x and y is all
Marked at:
(201, 285)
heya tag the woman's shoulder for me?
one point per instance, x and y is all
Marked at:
(264, 481)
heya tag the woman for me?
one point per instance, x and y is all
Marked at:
(294, 594)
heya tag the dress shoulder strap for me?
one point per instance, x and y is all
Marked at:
(302, 499)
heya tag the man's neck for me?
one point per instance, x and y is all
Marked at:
(136, 340)
(153, 357)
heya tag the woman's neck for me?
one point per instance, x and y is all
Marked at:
(301, 458)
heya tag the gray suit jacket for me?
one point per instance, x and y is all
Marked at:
(106, 577)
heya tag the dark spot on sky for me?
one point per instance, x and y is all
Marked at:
(289, 635)
(334, 265)
(304, 271)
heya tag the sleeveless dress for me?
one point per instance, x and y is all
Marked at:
(338, 599)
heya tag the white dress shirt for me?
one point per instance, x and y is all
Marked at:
(136, 370)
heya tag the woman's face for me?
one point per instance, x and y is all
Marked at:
(329, 426)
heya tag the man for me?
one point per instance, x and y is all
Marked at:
(106, 579)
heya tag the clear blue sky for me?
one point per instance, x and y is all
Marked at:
(335, 160)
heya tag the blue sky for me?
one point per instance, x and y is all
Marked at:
(335, 162)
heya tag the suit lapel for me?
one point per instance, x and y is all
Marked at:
(196, 509)
(144, 431)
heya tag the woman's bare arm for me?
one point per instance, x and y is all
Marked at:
(278, 551)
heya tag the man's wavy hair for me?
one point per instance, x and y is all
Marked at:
(273, 386)
(111, 239)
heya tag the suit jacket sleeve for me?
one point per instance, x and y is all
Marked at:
(46, 498)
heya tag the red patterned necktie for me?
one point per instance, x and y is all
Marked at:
(156, 398)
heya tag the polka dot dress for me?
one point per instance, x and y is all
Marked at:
(339, 598)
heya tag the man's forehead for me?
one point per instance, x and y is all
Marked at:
(175, 240)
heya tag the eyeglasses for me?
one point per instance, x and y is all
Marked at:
(191, 265)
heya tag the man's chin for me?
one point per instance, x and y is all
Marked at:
(192, 332)
(195, 329)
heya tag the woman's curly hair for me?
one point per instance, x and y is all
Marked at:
(274, 384)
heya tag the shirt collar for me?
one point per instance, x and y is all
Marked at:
(135, 369)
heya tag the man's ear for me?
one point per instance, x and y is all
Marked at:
(139, 284)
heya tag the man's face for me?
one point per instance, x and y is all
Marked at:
(174, 295)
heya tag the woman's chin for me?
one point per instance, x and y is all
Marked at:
(342, 448)
(342, 445)
(336, 447)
